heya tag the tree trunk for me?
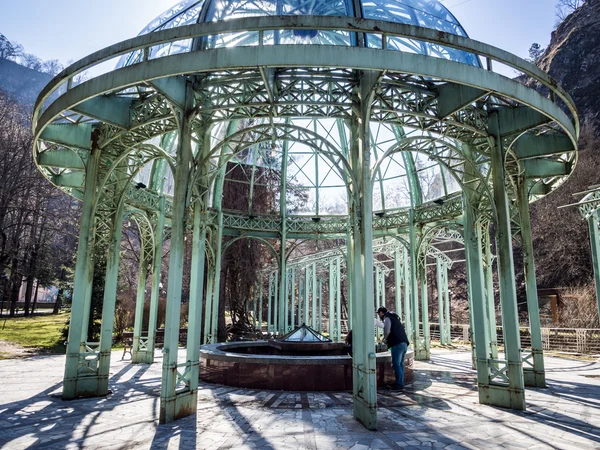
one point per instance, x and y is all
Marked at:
(35, 297)
(58, 301)
(28, 291)
(14, 292)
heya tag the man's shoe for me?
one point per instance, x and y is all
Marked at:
(396, 387)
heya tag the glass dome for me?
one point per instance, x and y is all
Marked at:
(315, 183)
(423, 13)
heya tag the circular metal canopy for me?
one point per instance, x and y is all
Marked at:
(316, 185)
(276, 112)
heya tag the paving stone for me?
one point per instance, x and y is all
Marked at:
(439, 410)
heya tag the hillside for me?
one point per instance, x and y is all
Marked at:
(573, 57)
(561, 235)
(20, 82)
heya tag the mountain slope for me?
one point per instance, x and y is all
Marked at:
(21, 83)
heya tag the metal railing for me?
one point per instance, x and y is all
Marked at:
(570, 340)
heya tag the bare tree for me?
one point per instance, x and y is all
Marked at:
(33, 215)
(566, 7)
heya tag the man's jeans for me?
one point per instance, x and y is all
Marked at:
(398, 352)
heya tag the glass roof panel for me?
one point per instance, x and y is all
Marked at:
(316, 183)
(423, 13)
(304, 334)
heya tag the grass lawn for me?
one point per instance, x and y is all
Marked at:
(38, 334)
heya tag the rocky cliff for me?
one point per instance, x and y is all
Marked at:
(561, 239)
(573, 57)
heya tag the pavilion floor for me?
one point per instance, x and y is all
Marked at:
(439, 410)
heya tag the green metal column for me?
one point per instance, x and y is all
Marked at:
(320, 314)
(254, 311)
(425, 349)
(174, 402)
(110, 297)
(313, 314)
(470, 296)
(489, 291)
(349, 283)
(217, 276)
(361, 210)
(331, 301)
(300, 299)
(414, 289)
(138, 351)
(448, 329)
(534, 376)
(306, 294)
(282, 295)
(293, 289)
(407, 297)
(595, 243)
(192, 363)
(270, 305)
(87, 304)
(286, 304)
(338, 300)
(514, 394)
(260, 305)
(440, 289)
(276, 303)
(156, 267)
(377, 304)
(487, 394)
(75, 383)
(208, 338)
(398, 282)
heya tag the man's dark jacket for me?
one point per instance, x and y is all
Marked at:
(397, 333)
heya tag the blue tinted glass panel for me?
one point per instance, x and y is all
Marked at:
(423, 13)
(233, 9)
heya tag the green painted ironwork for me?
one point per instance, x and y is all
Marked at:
(353, 116)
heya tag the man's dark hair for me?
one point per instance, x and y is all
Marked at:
(382, 309)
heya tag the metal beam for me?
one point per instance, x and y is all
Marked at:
(520, 119)
(69, 179)
(215, 60)
(70, 134)
(62, 158)
(453, 97)
(539, 189)
(595, 246)
(543, 168)
(171, 87)
(532, 146)
(112, 110)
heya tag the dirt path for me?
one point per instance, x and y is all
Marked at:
(8, 350)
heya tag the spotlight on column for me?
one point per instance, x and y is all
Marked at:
(439, 201)
(316, 219)
(140, 185)
(380, 214)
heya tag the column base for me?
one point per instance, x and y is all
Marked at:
(142, 357)
(83, 377)
(535, 379)
(422, 354)
(181, 405)
(502, 396)
(366, 414)
(85, 386)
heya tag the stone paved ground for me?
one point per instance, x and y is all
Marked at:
(440, 410)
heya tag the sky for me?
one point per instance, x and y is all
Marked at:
(68, 30)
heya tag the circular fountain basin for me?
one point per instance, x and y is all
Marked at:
(258, 365)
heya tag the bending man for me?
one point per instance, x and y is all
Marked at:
(395, 337)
